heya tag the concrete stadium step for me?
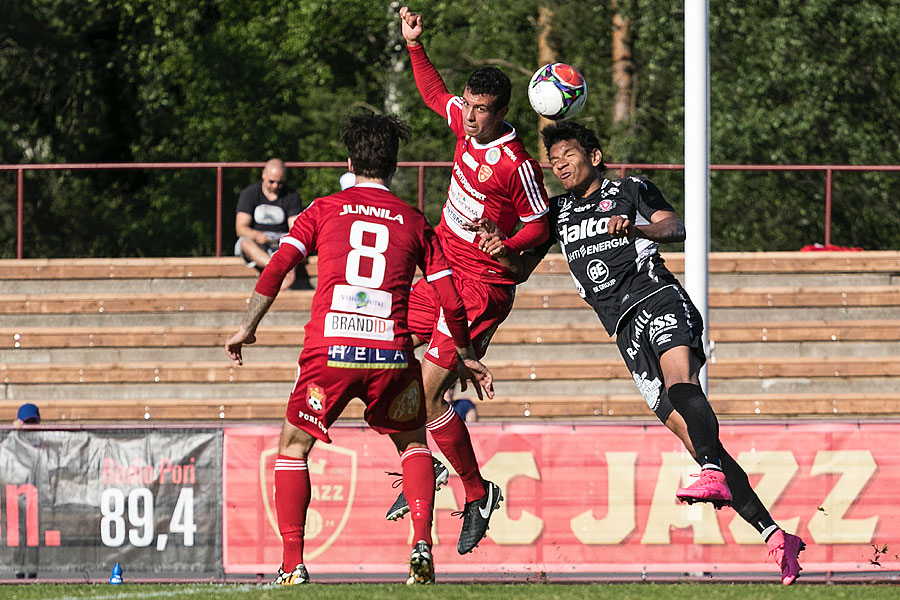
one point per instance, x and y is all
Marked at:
(563, 281)
(141, 275)
(728, 406)
(152, 354)
(886, 368)
(747, 385)
(726, 269)
(214, 391)
(538, 317)
(177, 409)
(169, 319)
(769, 297)
(556, 281)
(526, 342)
(133, 286)
(775, 338)
(518, 316)
(144, 391)
(565, 333)
(524, 407)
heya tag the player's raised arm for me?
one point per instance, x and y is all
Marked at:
(410, 26)
(428, 81)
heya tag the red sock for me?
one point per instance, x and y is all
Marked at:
(292, 492)
(452, 437)
(418, 487)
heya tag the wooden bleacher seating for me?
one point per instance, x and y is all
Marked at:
(547, 333)
(774, 344)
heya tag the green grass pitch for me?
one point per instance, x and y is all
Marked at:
(365, 591)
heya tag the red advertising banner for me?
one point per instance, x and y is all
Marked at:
(582, 499)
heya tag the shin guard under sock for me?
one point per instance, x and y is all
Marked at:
(703, 426)
(292, 493)
(744, 500)
(451, 436)
(418, 488)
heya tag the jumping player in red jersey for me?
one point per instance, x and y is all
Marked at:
(357, 341)
(494, 177)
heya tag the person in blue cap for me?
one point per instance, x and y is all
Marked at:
(28, 415)
(26, 557)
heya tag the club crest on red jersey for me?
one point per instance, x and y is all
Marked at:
(484, 173)
(315, 397)
(333, 479)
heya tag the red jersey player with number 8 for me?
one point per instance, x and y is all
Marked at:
(357, 343)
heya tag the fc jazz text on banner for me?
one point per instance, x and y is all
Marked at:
(584, 498)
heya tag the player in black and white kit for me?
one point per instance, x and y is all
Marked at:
(609, 231)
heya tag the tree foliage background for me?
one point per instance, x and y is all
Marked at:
(797, 82)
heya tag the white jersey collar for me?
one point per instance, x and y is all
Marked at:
(369, 184)
(503, 139)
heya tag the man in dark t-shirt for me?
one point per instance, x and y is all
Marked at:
(265, 212)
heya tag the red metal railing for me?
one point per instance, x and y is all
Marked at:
(420, 165)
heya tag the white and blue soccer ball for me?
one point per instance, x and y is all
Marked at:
(557, 91)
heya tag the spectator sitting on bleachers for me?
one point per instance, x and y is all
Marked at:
(265, 213)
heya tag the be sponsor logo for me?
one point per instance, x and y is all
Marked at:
(597, 271)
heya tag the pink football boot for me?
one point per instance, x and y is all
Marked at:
(785, 549)
(710, 487)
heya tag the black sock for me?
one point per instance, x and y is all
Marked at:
(703, 427)
(744, 500)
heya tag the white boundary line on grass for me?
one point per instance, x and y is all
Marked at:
(139, 594)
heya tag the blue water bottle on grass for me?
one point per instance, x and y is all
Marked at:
(116, 577)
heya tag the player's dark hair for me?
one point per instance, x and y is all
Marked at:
(372, 142)
(491, 81)
(568, 130)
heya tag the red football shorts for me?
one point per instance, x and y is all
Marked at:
(389, 382)
(486, 305)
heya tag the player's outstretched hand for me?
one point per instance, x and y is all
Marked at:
(234, 344)
(490, 237)
(470, 368)
(410, 25)
(482, 226)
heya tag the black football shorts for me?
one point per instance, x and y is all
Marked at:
(665, 320)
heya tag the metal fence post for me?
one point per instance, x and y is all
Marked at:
(20, 203)
(827, 206)
(219, 211)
